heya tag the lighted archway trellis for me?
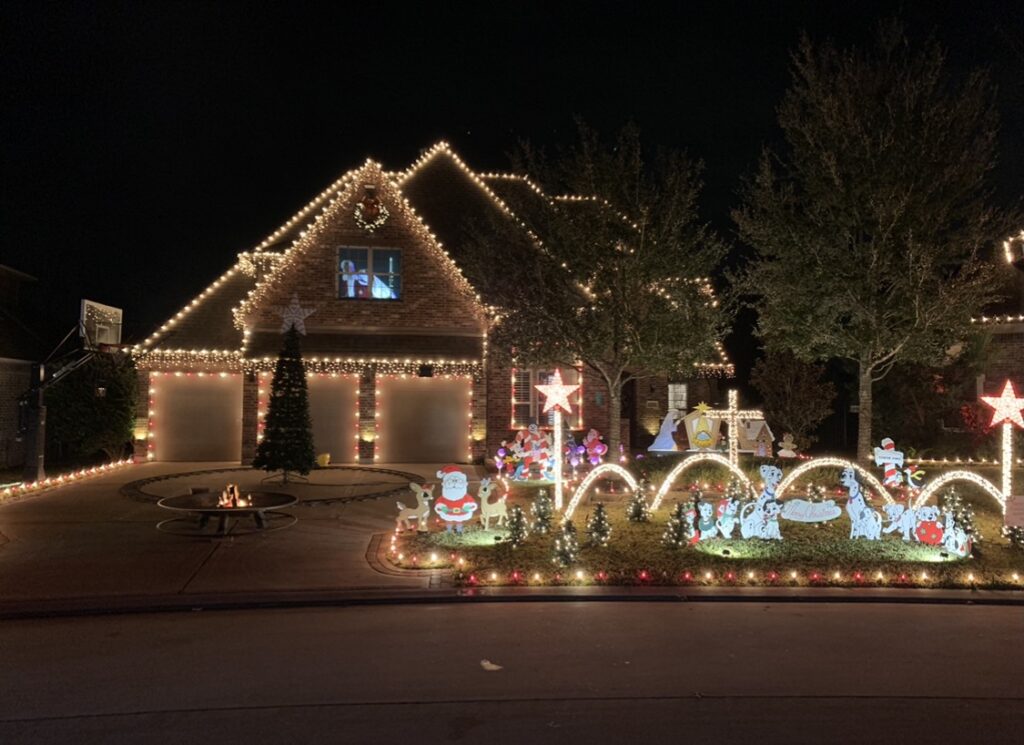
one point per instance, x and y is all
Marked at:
(605, 468)
(693, 460)
(810, 465)
(979, 481)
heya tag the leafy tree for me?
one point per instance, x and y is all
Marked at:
(618, 282)
(917, 405)
(599, 528)
(870, 223)
(518, 527)
(543, 513)
(287, 443)
(796, 398)
(92, 409)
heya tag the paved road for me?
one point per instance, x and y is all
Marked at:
(570, 672)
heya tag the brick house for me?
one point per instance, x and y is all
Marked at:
(396, 337)
(19, 349)
(1005, 325)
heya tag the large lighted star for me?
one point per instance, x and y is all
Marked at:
(1007, 406)
(556, 393)
(294, 314)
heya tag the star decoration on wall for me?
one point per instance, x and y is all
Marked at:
(556, 393)
(294, 314)
(1007, 406)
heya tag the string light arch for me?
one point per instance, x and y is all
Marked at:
(605, 468)
(950, 476)
(814, 463)
(693, 460)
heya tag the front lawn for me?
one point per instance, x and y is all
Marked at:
(809, 554)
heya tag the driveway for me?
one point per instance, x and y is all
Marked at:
(90, 540)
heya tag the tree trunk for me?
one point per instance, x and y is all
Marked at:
(864, 441)
(614, 421)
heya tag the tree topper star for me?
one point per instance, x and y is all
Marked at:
(294, 314)
(556, 393)
(1007, 406)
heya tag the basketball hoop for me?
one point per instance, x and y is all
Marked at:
(100, 326)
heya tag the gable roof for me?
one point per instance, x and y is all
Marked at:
(387, 191)
(428, 189)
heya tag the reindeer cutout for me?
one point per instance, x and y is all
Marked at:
(420, 513)
(498, 509)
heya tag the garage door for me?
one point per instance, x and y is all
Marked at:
(423, 420)
(333, 407)
(197, 417)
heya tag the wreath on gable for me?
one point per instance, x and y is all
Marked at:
(370, 214)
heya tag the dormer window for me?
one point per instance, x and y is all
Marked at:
(369, 273)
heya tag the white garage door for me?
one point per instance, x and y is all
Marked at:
(197, 418)
(423, 420)
(333, 407)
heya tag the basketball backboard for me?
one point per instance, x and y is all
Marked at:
(99, 325)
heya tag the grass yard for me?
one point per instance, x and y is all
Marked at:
(809, 554)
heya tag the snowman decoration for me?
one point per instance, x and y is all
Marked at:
(454, 506)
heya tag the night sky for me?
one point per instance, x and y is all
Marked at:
(144, 144)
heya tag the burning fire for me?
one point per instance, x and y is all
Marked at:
(231, 497)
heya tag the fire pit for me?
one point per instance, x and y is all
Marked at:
(198, 510)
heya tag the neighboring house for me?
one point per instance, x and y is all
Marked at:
(395, 340)
(19, 349)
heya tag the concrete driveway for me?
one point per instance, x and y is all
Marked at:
(89, 540)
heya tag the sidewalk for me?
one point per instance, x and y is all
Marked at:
(88, 548)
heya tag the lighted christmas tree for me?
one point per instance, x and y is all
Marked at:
(678, 531)
(599, 529)
(637, 510)
(735, 490)
(287, 443)
(543, 513)
(518, 527)
(567, 546)
(963, 512)
(1015, 535)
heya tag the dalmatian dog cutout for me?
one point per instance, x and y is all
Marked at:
(728, 515)
(902, 520)
(864, 521)
(753, 516)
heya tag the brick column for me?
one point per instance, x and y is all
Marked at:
(140, 447)
(250, 416)
(367, 413)
(479, 428)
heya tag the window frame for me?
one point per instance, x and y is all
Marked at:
(370, 250)
(686, 397)
(574, 420)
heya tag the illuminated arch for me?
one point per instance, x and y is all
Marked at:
(810, 465)
(594, 476)
(692, 461)
(979, 481)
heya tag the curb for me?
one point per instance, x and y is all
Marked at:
(97, 606)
